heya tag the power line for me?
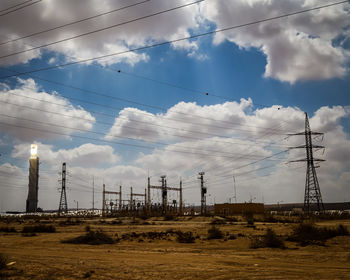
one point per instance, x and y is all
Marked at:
(74, 22)
(100, 133)
(140, 104)
(174, 41)
(107, 141)
(19, 8)
(101, 29)
(130, 127)
(20, 4)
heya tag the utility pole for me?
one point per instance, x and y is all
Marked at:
(164, 193)
(131, 200)
(234, 187)
(312, 199)
(120, 197)
(203, 193)
(181, 210)
(63, 200)
(104, 200)
(93, 194)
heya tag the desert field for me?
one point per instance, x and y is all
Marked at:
(151, 249)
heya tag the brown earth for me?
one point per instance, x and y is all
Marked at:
(45, 257)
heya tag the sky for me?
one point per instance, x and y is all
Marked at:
(122, 90)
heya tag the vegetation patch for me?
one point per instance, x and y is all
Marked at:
(91, 237)
(185, 237)
(3, 261)
(269, 240)
(169, 217)
(70, 222)
(7, 229)
(309, 234)
(39, 228)
(249, 217)
(218, 221)
(215, 233)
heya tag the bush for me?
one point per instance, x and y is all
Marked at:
(269, 240)
(92, 238)
(169, 217)
(185, 237)
(39, 228)
(217, 221)
(3, 261)
(7, 229)
(215, 233)
(249, 217)
(307, 233)
(29, 234)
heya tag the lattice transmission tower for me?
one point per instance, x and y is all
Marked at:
(63, 207)
(312, 198)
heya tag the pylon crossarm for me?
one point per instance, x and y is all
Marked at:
(303, 133)
(304, 146)
(304, 159)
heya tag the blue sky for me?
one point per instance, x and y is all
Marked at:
(268, 74)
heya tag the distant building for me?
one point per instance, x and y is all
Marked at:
(33, 186)
(226, 209)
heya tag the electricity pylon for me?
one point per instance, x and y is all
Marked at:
(312, 198)
(63, 200)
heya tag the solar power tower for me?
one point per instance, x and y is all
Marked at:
(33, 186)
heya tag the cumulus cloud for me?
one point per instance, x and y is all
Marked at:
(86, 155)
(21, 110)
(192, 121)
(44, 15)
(297, 48)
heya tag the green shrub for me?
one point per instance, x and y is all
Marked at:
(215, 233)
(269, 240)
(39, 228)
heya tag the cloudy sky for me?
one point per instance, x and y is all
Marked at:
(120, 90)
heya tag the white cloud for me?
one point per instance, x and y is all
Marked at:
(298, 47)
(20, 105)
(86, 155)
(139, 33)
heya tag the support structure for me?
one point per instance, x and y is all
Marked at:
(164, 188)
(33, 185)
(181, 207)
(203, 193)
(132, 200)
(104, 200)
(312, 199)
(63, 207)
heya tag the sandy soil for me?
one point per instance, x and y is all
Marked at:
(45, 257)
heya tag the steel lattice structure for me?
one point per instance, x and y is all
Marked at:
(63, 207)
(313, 198)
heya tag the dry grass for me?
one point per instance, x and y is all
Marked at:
(154, 251)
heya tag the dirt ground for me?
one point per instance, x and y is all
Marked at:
(44, 256)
